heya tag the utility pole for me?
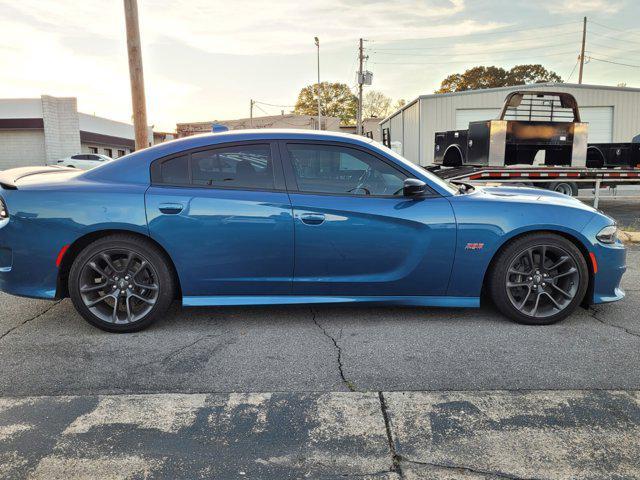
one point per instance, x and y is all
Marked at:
(251, 102)
(584, 41)
(360, 84)
(136, 75)
(317, 40)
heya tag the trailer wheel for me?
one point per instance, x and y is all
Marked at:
(567, 188)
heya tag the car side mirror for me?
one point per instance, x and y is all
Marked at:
(413, 187)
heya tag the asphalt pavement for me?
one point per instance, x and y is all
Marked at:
(384, 435)
(46, 348)
(321, 392)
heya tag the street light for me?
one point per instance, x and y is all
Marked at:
(317, 40)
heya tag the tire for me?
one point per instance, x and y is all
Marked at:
(121, 283)
(568, 188)
(515, 294)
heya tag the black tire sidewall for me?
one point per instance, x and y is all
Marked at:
(147, 250)
(498, 275)
(572, 186)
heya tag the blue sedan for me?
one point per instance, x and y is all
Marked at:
(294, 217)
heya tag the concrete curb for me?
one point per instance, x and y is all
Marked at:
(629, 237)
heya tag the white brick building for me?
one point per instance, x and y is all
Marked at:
(37, 131)
(286, 120)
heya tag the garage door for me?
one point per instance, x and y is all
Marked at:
(600, 121)
(466, 115)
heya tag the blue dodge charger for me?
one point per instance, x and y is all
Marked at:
(291, 217)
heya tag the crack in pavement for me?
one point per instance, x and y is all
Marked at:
(463, 468)
(395, 458)
(593, 313)
(345, 380)
(24, 322)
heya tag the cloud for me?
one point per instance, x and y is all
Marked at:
(571, 7)
(287, 26)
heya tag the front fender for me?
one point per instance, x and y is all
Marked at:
(484, 227)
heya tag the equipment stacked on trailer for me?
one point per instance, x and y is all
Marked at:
(540, 139)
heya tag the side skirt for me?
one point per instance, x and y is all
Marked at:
(421, 301)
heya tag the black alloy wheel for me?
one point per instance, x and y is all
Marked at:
(539, 279)
(121, 283)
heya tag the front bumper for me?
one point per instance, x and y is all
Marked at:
(612, 263)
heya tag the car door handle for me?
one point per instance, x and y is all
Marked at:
(312, 218)
(170, 208)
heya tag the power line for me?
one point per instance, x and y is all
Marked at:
(604, 46)
(472, 53)
(262, 110)
(467, 60)
(574, 69)
(633, 32)
(613, 56)
(273, 105)
(510, 41)
(610, 37)
(442, 37)
(614, 63)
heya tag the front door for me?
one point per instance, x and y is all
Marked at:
(355, 232)
(224, 217)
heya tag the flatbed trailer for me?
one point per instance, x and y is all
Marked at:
(550, 177)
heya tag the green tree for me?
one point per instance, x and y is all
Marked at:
(376, 104)
(336, 100)
(491, 77)
(523, 74)
(401, 102)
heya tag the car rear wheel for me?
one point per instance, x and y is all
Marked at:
(121, 283)
(539, 279)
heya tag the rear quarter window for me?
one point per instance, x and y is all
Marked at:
(174, 171)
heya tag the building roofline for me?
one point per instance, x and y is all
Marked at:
(505, 89)
(286, 115)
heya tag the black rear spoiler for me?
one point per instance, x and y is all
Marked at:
(8, 178)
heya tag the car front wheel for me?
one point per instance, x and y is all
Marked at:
(121, 283)
(539, 279)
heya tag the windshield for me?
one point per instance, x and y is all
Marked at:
(449, 187)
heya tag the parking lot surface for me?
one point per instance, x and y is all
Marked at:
(321, 392)
(388, 435)
(46, 348)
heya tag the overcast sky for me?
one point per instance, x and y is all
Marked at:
(204, 59)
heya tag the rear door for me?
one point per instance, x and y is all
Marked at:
(224, 216)
(355, 233)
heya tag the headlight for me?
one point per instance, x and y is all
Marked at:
(4, 213)
(608, 234)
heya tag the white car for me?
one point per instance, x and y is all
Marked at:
(84, 161)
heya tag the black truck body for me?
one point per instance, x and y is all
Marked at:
(533, 127)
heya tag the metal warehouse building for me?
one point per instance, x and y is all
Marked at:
(613, 114)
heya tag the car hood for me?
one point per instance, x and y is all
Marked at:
(532, 195)
(24, 177)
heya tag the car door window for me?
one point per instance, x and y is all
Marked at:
(245, 166)
(342, 170)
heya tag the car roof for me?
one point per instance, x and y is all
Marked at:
(266, 134)
(134, 168)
